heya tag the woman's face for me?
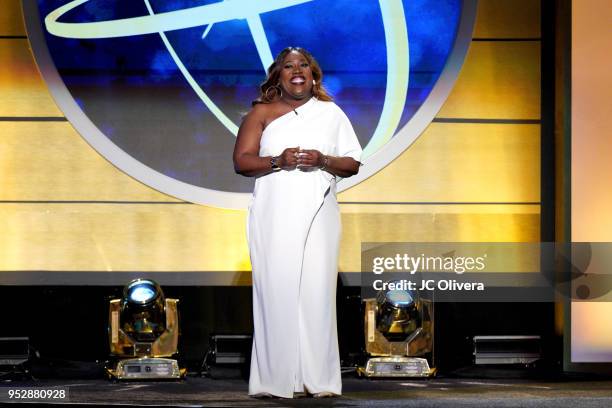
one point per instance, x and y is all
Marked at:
(296, 76)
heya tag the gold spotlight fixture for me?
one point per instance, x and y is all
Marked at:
(398, 335)
(143, 334)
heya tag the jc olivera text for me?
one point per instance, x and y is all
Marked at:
(429, 284)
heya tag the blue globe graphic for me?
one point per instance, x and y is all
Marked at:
(172, 99)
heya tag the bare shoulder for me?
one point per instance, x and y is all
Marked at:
(256, 114)
(268, 112)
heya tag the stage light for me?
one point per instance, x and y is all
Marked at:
(143, 310)
(397, 314)
(398, 334)
(143, 333)
(142, 292)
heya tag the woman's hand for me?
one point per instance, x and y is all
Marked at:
(310, 158)
(338, 166)
(288, 159)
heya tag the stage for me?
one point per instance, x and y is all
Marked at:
(468, 165)
(437, 392)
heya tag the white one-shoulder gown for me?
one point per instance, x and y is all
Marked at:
(293, 231)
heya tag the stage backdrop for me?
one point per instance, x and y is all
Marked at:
(70, 216)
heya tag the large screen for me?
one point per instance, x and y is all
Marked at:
(160, 87)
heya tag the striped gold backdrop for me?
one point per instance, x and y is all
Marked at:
(474, 174)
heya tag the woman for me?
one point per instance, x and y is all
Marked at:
(295, 140)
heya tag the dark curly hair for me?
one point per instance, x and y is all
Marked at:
(269, 90)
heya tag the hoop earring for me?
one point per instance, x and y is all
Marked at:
(274, 88)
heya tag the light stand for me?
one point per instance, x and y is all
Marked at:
(398, 335)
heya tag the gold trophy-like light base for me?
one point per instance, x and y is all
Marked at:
(397, 366)
(146, 368)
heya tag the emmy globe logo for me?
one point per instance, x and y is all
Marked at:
(159, 87)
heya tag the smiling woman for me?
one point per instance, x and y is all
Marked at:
(295, 141)
(284, 68)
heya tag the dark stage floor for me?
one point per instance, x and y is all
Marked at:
(438, 392)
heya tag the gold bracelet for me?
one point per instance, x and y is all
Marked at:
(325, 163)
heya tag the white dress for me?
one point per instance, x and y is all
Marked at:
(293, 231)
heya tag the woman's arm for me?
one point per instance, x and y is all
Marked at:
(247, 161)
(340, 166)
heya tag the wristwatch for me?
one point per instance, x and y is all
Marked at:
(274, 162)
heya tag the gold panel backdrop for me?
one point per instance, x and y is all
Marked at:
(10, 19)
(474, 175)
(499, 80)
(23, 92)
(518, 19)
